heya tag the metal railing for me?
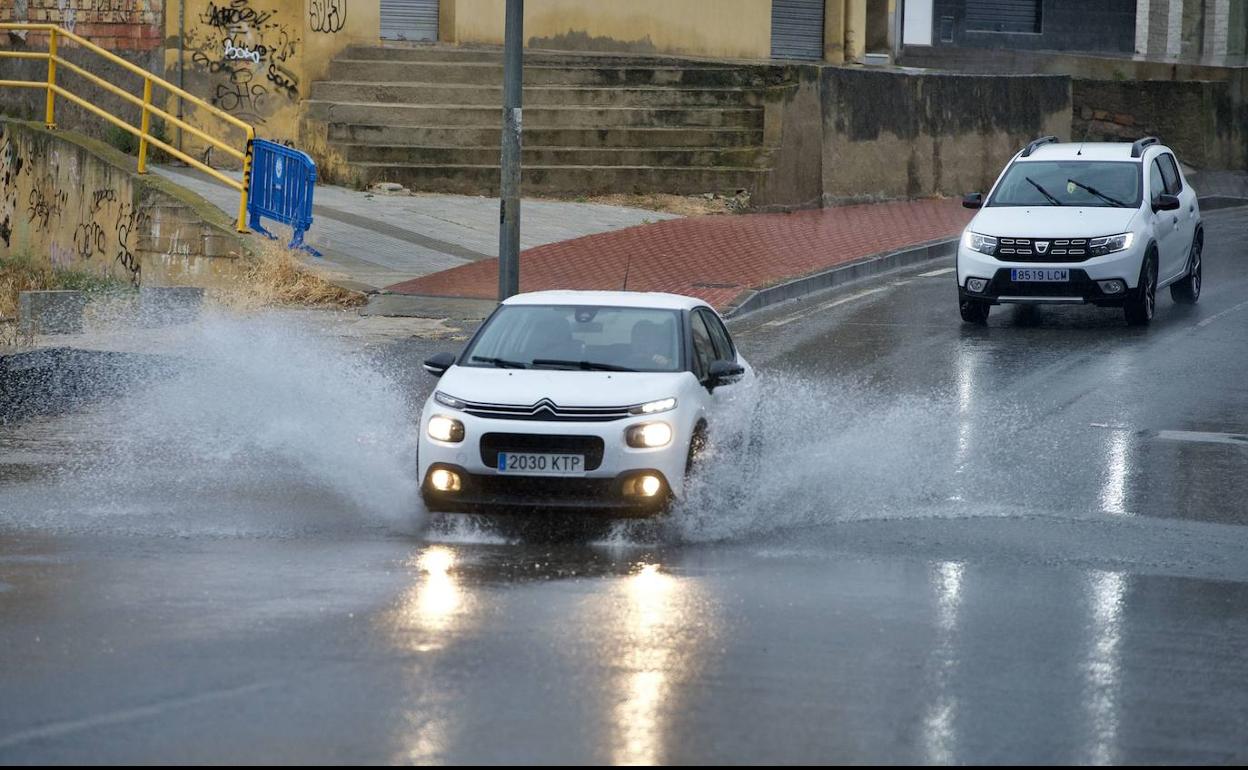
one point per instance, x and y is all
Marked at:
(143, 131)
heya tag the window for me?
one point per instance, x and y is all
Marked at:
(1101, 183)
(703, 347)
(1156, 183)
(719, 335)
(1170, 174)
(1003, 16)
(579, 337)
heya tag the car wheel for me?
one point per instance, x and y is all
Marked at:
(1187, 291)
(1142, 304)
(974, 311)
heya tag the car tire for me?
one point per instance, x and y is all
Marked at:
(1187, 291)
(974, 311)
(1141, 305)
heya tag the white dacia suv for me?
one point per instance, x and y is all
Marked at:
(1070, 222)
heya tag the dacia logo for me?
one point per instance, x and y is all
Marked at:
(1042, 247)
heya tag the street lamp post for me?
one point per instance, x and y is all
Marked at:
(509, 204)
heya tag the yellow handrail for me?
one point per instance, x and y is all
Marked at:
(143, 131)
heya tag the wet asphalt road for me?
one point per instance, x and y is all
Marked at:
(1024, 542)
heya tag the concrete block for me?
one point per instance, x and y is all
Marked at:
(163, 305)
(50, 312)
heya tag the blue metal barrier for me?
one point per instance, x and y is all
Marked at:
(282, 182)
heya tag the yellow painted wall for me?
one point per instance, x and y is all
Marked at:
(256, 59)
(714, 28)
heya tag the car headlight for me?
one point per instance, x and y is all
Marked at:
(984, 244)
(654, 407)
(1110, 243)
(442, 428)
(445, 400)
(648, 435)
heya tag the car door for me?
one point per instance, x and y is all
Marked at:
(1165, 224)
(1187, 214)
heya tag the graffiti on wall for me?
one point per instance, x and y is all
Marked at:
(125, 24)
(11, 164)
(246, 52)
(328, 16)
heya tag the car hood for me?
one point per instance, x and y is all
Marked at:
(1051, 221)
(523, 387)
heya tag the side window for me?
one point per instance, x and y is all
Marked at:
(703, 348)
(1156, 184)
(1170, 174)
(719, 335)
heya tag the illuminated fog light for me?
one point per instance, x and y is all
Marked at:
(446, 429)
(444, 480)
(1112, 287)
(649, 486)
(976, 284)
(649, 435)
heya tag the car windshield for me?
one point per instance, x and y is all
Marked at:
(1070, 183)
(590, 338)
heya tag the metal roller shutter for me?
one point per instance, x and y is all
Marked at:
(1003, 15)
(409, 19)
(797, 29)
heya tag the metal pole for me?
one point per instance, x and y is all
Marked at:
(509, 205)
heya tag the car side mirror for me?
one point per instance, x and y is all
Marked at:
(973, 201)
(1166, 202)
(724, 373)
(438, 363)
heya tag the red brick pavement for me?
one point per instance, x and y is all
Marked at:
(716, 258)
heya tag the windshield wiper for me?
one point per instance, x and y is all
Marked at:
(501, 363)
(1043, 191)
(591, 366)
(1099, 194)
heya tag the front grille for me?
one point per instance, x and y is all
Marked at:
(589, 446)
(546, 411)
(1042, 250)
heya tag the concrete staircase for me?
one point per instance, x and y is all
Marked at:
(428, 117)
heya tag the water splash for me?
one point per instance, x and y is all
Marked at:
(256, 426)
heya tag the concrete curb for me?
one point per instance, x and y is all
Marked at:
(841, 275)
(421, 306)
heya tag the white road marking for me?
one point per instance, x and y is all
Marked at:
(58, 729)
(934, 273)
(1238, 439)
(825, 306)
(1213, 318)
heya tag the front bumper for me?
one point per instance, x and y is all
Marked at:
(1083, 286)
(496, 493)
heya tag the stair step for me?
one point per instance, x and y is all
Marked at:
(491, 136)
(491, 73)
(407, 92)
(588, 180)
(536, 117)
(666, 157)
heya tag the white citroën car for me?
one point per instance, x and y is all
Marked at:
(585, 401)
(1105, 223)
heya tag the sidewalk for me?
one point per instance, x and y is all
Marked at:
(375, 240)
(720, 259)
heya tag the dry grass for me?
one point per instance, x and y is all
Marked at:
(683, 205)
(20, 273)
(276, 276)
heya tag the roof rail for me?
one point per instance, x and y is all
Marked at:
(1139, 145)
(1029, 149)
